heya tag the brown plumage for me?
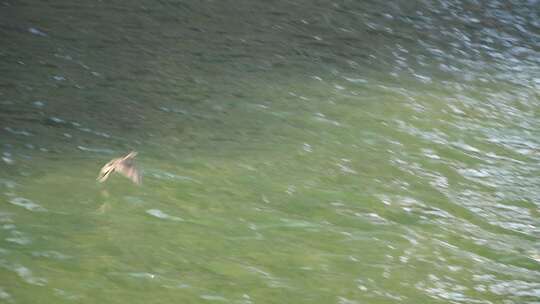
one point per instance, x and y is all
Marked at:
(124, 165)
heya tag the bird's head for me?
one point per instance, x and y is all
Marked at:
(106, 171)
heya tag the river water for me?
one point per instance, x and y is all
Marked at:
(293, 151)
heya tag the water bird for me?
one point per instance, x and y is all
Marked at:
(124, 165)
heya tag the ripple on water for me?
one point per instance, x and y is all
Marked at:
(142, 275)
(355, 80)
(37, 32)
(444, 289)
(465, 147)
(66, 295)
(469, 172)
(8, 183)
(516, 288)
(172, 110)
(213, 298)
(159, 174)
(430, 154)
(6, 157)
(134, 200)
(373, 218)
(6, 220)
(322, 118)
(56, 121)
(26, 204)
(271, 280)
(51, 254)
(291, 223)
(343, 300)
(24, 273)
(18, 237)
(5, 296)
(95, 150)
(345, 167)
(39, 103)
(162, 215)
(18, 132)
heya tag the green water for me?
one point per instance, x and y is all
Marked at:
(293, 152)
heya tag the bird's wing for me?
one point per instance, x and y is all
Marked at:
(129, 157)
(128, 169)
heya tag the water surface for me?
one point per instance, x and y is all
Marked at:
(293, 152)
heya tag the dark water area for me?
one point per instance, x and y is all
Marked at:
(292, 151)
